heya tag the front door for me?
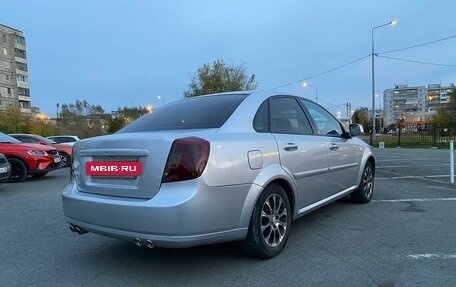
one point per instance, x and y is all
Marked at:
(302, 154)
(342, 154)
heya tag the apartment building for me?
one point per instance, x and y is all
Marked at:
(14, 85)
(413, 104)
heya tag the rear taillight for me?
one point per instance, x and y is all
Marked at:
(186, 160)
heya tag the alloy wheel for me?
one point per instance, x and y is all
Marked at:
(368, 181)
(273, 220)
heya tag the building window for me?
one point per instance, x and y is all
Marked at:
(9, 92)
(7, 78)
(19, 40)
(5, 51)
(22, 78)
(21, 66)
(4, 38)
(20, 53)
(23, 92)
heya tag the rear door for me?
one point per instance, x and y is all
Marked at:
(302, 155)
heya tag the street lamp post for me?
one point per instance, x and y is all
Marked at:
(305, 85)
(58, 124)
(392, 22)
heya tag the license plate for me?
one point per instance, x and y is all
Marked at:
(56, 159)
(3, 169)
(113, 168)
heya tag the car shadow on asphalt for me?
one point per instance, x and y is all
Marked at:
(119, 250)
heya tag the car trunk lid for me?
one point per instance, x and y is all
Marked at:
(143, 154)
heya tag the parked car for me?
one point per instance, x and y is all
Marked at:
(225, 167)
(65, 151)
(65, 139)
(5, 169)
(28, 159)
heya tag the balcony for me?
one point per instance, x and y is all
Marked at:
(24, 98)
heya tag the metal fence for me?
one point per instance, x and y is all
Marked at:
(412, 135)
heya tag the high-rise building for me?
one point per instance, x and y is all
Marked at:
(417, 104)
(437, 96)
(14, 85)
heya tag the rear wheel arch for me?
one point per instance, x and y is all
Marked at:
(258, 242)
(288, 190)
(271, 175)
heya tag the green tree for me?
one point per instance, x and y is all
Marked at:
(12, 120)
(217, 77)
(82, 119)
(361, 116)
(446, 116)
(124, 116)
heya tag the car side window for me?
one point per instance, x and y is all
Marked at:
(26, 140)
(325, 123)
(287, 117)
(261, 120)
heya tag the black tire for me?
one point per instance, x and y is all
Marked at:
(65, 160)
(19, 170)
(41, 174)
(274, 220)
(365, 190)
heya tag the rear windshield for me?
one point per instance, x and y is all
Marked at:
(195, 113)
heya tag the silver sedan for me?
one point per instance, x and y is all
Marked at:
(237, 166)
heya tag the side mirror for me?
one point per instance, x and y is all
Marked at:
(356, 130)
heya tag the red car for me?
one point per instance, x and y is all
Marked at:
(28, 159)
(65, 151)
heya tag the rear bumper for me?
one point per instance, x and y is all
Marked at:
(167, 241)
(181, 214)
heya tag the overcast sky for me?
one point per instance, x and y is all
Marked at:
(124, 53)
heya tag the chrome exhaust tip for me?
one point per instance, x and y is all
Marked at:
(150, 244)
(138, 242)
(72, 228)
(80, 230)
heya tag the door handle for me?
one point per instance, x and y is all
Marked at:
(290, 146)
(334, 147)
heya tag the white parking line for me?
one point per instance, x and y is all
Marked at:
(404, 166)
(415, 199)
(431, 256)
(413, 176)
(404, 159)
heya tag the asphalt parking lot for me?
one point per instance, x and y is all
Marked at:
(404, 237)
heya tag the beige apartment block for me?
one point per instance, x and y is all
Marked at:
(14, 76)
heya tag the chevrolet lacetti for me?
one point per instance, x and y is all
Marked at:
(238, 166)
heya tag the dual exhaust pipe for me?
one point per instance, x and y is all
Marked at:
(77, 229)
(149, 244)
(138, 242)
